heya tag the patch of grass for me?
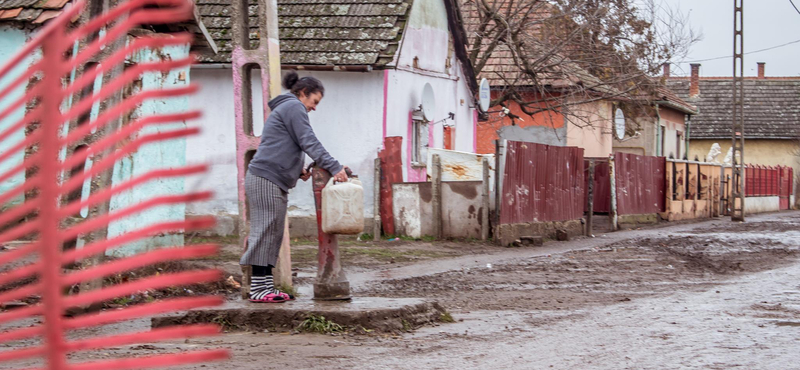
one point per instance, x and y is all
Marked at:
(407, 326)
(288, 290)
(446, 317)
(365, 237)
(356, 242)
(222, 256)
(304, 255)
(123, 301)
(319, 324)
(224, 323)
(228, 239)
(425, 238)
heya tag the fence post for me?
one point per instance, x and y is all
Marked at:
(612, 174)
(376, 199)
(436, 177)
(591, 199)
(498, 150)
(485, 201)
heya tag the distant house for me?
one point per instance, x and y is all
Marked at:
(772, 117)
(374, 57)
(569, 111)
(662, 125)
(568, 106)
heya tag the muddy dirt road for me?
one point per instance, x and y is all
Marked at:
(712, 295)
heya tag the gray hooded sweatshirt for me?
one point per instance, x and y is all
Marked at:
(287, 134)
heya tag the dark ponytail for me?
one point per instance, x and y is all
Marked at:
(305, 85)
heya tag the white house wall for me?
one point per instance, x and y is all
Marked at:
(347, 122)
(404, 94)
(216, 144)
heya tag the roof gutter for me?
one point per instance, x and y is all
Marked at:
(345, 68)
(681, 108)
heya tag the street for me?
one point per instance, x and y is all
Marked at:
(709, 295)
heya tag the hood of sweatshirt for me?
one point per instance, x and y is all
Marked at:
(280, 99)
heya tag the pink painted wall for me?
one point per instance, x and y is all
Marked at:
(589, 126)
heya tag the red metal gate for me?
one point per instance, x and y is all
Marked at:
(640, 184)
(542, 183)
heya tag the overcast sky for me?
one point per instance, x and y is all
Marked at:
(767, 24)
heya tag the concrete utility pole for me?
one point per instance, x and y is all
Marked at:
(266, 59)
(737, 142)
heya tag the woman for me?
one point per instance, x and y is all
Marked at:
(274, 170)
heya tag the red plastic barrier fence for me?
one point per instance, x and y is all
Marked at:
(43, 121)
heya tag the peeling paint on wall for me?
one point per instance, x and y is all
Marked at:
(11, 40)
(165, 154)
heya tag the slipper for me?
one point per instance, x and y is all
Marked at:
(270, 298)
(286, 296)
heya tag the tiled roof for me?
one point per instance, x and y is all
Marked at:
(771, 107)
(37, 12)
(318, 32)
(31, 11)
(665, 96)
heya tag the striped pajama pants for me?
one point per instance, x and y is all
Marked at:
(267, 204)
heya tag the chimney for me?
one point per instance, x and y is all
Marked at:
(694, 84)
(666, 70)
(761, 68)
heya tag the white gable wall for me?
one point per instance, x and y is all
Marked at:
(426, 55)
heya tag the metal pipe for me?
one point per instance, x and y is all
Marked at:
(485, 201)
(659, 149)
(612, 178)
(437, 196)
(590, 204)
(376, 198)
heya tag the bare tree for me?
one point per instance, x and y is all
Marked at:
(562, 54)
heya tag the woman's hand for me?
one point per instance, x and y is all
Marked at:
(305, 175)
(341, 176)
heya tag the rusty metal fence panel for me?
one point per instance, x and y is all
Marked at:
(542, 183)
(640, 184)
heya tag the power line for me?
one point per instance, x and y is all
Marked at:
(795, 6)
(747, 53)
